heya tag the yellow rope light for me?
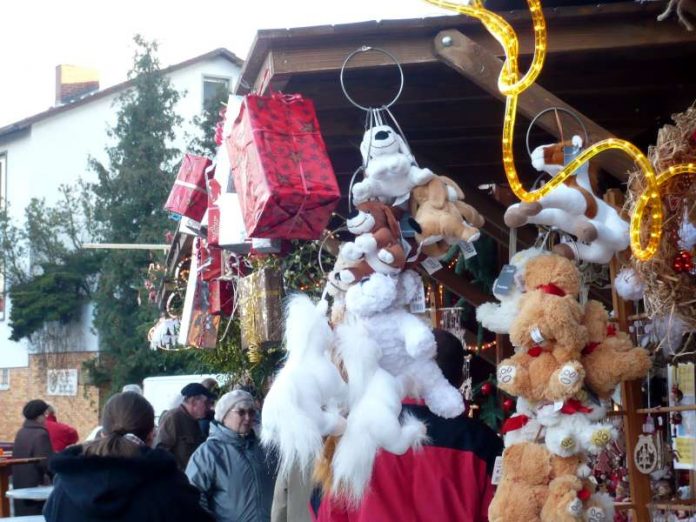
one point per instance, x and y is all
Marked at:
(511, 85)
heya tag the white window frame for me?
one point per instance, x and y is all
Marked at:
(4, 379)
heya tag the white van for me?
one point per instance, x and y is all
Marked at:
(164, 393)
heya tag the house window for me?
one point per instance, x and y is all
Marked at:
(215, 87)
(4, 379)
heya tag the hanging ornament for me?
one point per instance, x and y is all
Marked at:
(677, 394)
(508, 405)
(645, 455)
(677, 418)
(683, 262)
(486, 389)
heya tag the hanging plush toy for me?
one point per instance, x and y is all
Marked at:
(390, 169)
(442, 216)
(573, 208)
(508, 289)
(307, 397)
(377, 246)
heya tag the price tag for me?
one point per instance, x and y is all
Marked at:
(467, 249)
(506, 280)
(417, 306)
(431, 265)
(497, 471)
(536, 335)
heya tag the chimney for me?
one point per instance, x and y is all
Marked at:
(73, 82)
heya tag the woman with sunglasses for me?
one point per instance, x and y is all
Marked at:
(230, 468)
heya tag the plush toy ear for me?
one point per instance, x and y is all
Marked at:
(437, 193)
(392, 223)
(403, 148)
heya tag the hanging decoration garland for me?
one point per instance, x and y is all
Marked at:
(511, 85)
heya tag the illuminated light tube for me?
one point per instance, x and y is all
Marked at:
(511, 85)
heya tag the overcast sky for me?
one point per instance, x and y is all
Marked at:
(40, 34)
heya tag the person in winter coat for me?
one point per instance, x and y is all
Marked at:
(179, 431)
(231, 469)
(62, 435)
(32, 441)
(118, 477)
(449, 480)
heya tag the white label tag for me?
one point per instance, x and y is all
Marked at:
(536, 335)
(497, 471)
(467, 249)
(417, 306)
(431, 265)
(557, 406)
(505, 282)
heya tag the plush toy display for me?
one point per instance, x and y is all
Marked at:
(573, 208)
(497, 317)
(307, 397)
(442, 216)
(377, 246)
(390, 170)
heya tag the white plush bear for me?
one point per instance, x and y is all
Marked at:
(407, 343)
(390, 171)
(305, 401)
(497, 317)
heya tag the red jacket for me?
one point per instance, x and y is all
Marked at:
(61, 434)
(449, 480)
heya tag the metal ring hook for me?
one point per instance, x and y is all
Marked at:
(569, 112)
(365, 49)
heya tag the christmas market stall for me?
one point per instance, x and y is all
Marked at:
(520, 175)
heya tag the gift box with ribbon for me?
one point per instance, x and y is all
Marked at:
(221, 297)
(281, 170)
(189, 196)
(261, 317)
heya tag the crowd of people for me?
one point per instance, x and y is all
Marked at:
(205, 462)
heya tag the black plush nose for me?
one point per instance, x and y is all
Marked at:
(382, 135)
(353, 214)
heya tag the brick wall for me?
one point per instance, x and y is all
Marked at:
(80, 411)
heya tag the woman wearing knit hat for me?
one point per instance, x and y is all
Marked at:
(32, 440)
(231, 469)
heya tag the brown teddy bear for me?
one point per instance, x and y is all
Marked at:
(537, 486)
(377, 247)
(442, 216)
(609, 356)
(548, 333)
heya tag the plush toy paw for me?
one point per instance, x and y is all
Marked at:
(385, 256)
(514, 218)
(506, 374)
(361, 192)
(586, 232)
(351, 252)
(575, 507)
(366, 242)
(346, 276)
(595, 514)
(420, 176)
(596, 439)
(445, 401)
(569, 375)
(420, 344)
(531, 209)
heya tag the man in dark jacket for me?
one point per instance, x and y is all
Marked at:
(32, 441)
(179, 431)
(448, 481)
(231, 469)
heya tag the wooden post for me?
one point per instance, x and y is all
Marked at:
(631, 395)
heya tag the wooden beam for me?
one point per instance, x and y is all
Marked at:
(483, 68)
(460, 286)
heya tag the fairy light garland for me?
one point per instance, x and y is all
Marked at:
(511, 85)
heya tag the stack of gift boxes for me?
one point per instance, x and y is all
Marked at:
(271, 181)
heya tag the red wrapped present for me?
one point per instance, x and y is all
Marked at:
(220, 297)
(189, 196)
(209, 260)
(281, 170)
(214, 191)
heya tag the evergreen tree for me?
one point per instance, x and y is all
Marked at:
(206, 122)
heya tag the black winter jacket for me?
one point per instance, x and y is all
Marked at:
(147, 488)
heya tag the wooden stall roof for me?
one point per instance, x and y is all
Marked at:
(614, 63)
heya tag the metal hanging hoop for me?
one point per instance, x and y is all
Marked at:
(365, 49)
(556, 110)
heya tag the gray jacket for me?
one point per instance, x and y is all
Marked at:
(234, 475)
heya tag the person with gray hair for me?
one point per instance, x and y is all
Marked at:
(135, 388)
(231, 469)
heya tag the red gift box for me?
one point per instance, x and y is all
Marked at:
(209, 260)
(189, 196)
(220, 297)
(214, 191)
(281, 170)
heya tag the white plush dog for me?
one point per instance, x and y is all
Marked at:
(498, 317)
(390, 172)
(305, 401)
(375, 405)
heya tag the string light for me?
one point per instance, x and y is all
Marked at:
(485, 346)
(511, 85)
